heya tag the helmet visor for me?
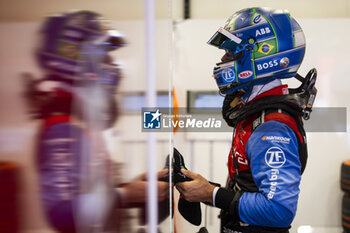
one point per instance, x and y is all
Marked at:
(223, 39)
(115, 40)
(110, 40)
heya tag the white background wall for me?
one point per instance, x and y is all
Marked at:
(327, 50)
(35, 10)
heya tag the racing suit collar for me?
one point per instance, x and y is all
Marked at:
(272, 88)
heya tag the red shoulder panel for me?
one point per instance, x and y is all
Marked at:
(286, 119)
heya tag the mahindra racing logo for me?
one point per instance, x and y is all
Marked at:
(245, 74)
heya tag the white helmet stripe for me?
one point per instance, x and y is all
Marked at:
(299, 38)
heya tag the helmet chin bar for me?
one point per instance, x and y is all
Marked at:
(233, 87)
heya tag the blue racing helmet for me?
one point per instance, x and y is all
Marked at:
(263, 44)
(74, 47)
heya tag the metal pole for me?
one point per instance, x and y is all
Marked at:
(152, 201)
(187, 9)
(211, 176)
(192, 154)
(170, 89)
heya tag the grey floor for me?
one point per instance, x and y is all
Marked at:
(310, 229)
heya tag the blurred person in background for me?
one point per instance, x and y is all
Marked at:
(80, 186)
(268, 153)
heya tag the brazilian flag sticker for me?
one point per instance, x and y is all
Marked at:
(69, 50)
(266, 48)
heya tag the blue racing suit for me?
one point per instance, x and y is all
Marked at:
(265, 172)
(272, 151)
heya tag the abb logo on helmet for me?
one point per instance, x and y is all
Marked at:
(262, 31)
(245, 74)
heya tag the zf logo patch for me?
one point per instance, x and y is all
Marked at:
(275, 157)
(228, 75)
(152, 120)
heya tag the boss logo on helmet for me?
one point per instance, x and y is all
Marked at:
(245, 74)
(267, 65)
(262, 31)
